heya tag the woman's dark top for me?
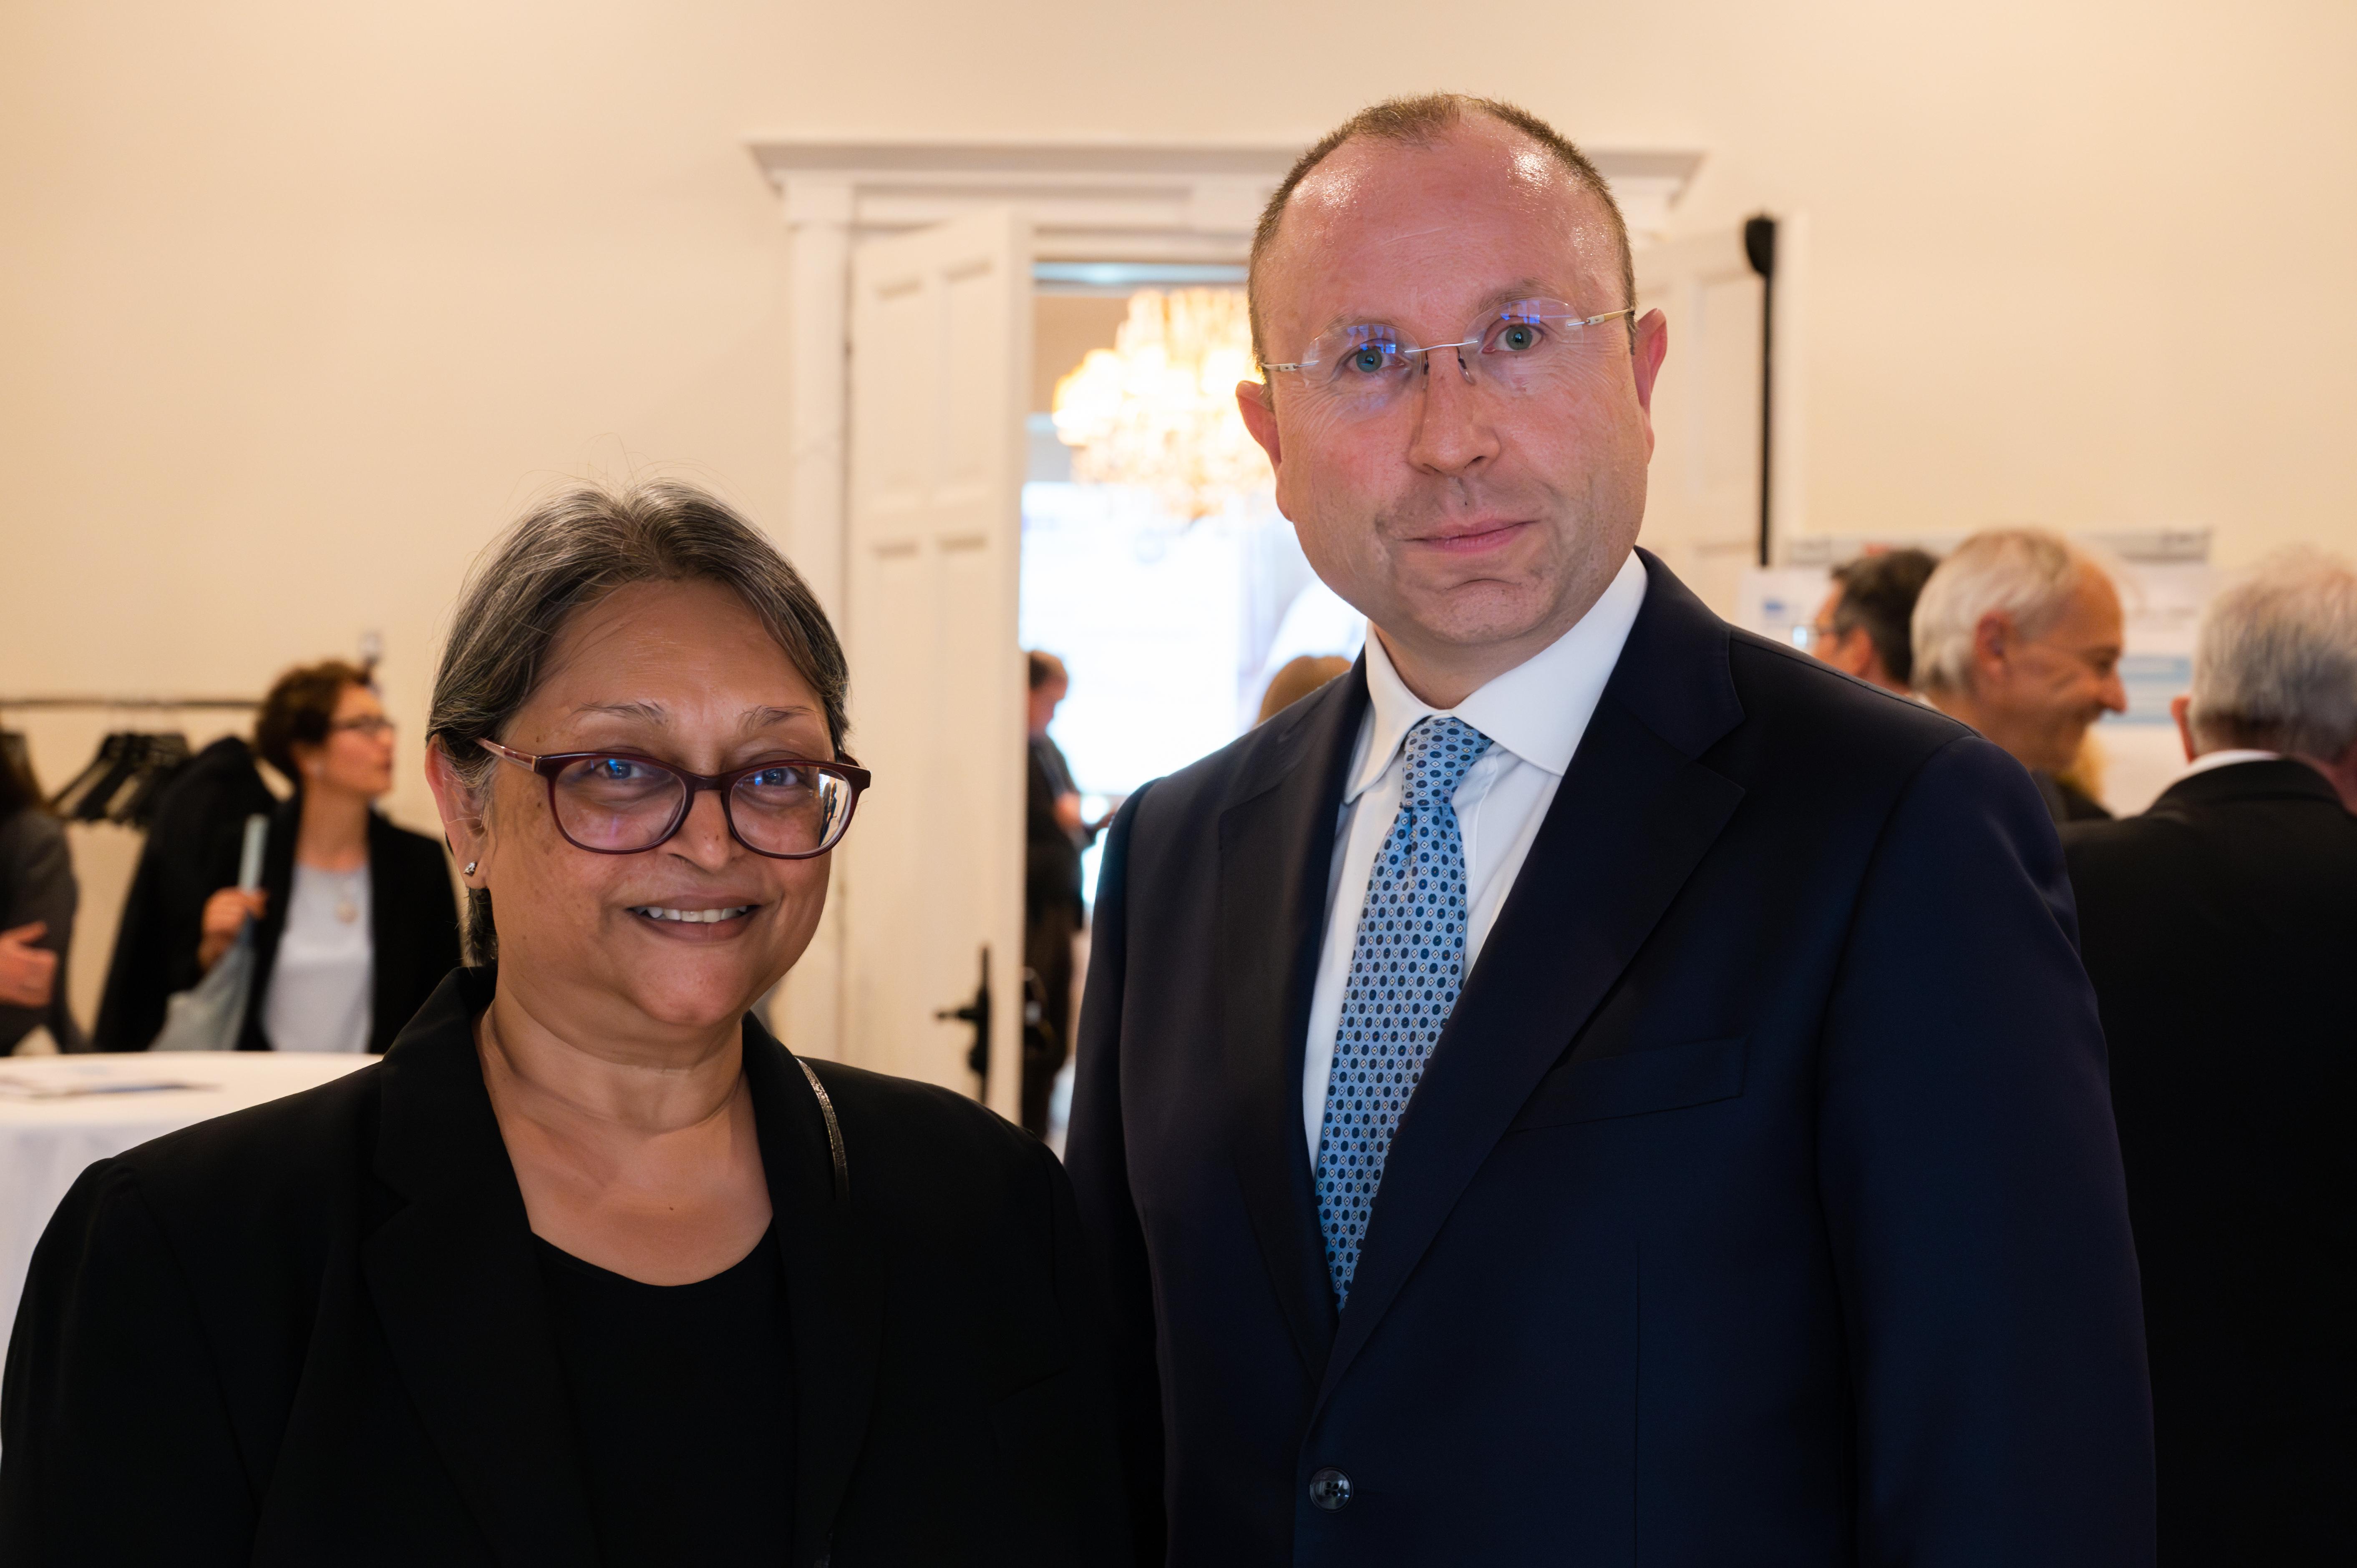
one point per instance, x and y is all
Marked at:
(317, 1332)
(683, 1396)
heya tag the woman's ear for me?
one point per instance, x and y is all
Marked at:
(462, 813)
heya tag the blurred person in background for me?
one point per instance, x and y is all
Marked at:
(1864, 627)
(38, 895)
(2221, 929)
(157, 938)
(356, 922)
(1297, 679)
(2085, 775)
(1054, 911)
(588, 1267)
(2019, 634)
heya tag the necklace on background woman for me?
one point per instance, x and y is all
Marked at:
(348, 903)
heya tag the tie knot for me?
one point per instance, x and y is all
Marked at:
(1439, 750)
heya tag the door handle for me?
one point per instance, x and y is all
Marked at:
(976, 1013)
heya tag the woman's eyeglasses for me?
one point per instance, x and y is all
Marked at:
(617, 803)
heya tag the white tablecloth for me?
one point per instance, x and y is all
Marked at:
(46, 1144)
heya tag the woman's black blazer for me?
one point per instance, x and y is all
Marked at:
(314, 1332)
(156, 940)
(413, 920)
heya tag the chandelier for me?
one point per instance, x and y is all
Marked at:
(1158, 409)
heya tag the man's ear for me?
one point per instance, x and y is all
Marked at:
(1993, 643)
(1256, 403)
(1652, 347)
(2181, 708)
(461, 813)
(1858, 656)
(2342, 771)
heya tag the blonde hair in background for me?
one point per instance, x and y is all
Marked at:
(2086, 773)
(2025, 572)
(2274, 659)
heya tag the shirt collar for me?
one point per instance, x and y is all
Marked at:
(1538, 710)
(2227, 758)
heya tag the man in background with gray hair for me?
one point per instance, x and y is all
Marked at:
(2019, 634)
(2219, 929)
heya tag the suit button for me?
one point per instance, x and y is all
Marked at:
(1330, 1489)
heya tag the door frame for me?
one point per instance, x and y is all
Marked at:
(1085, 201)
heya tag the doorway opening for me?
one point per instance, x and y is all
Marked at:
(1171, 629)
(939, 528)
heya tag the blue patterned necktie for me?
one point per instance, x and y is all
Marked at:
(1406, 969)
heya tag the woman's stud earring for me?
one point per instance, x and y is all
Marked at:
(470, 867)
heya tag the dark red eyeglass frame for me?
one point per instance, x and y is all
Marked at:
(549, 765)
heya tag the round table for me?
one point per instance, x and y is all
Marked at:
(58, 1114)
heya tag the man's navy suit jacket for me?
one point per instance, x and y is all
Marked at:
(1760, 1202)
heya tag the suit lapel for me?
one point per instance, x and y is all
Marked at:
(458, 1292)
(1276, 848)
(833, 1297)
(1633, 816)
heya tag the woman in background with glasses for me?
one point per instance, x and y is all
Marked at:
(590, 1268)
(354, 924)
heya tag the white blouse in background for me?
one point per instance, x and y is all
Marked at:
(320, 985)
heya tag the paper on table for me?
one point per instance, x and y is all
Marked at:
(31, 1089)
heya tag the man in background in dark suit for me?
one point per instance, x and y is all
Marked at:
(1531, 1107)
(2019, 634)
(1054, 911)
(2221, 930)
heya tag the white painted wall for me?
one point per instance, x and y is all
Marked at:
(300, 303)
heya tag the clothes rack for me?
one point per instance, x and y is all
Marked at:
(78, 702)
(123, 783)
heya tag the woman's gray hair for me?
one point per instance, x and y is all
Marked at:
(2025, 572)
(2275, 661)
(565, 555)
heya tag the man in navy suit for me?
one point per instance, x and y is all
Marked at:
(1589, 1085)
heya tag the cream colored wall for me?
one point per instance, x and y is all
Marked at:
(300, 301)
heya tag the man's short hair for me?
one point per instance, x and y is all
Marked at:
(2275, 661)
(2025, 572)
(1044, 668)
(1421, 120)
(1878, 595)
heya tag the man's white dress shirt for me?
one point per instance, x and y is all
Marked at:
(1534, 714)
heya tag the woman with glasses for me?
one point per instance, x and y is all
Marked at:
(590, 1268)
(354, 924)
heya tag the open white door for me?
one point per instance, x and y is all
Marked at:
(1702, 501)
(931, 875)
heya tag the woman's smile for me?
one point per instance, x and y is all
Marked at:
(696, 920)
